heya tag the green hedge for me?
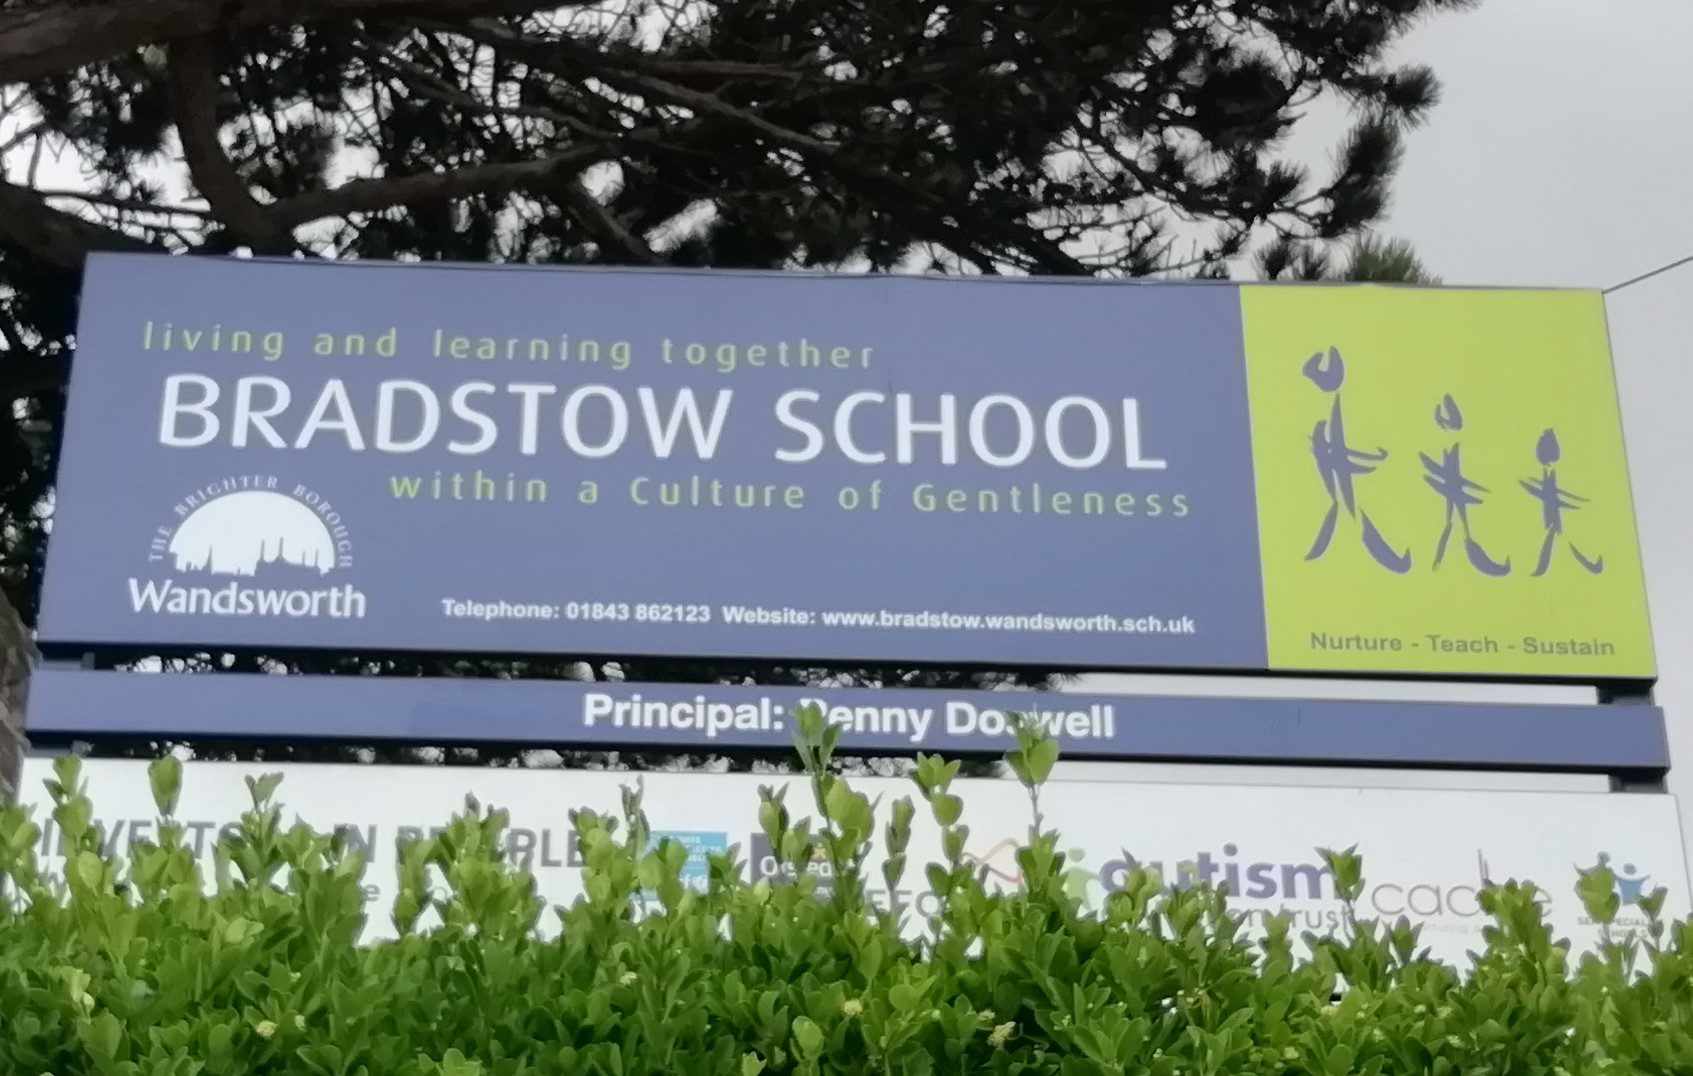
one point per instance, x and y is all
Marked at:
(140, 967)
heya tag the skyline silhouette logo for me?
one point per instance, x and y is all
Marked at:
(265, 546)
(248, 531)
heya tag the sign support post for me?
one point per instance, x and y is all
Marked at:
(1632, 694)
(17, 659)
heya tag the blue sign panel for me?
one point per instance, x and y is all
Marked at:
(715, 717)
(409, 457)
(386, 457)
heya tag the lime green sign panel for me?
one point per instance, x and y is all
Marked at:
(1441, 483)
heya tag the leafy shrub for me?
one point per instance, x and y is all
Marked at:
(146, 967)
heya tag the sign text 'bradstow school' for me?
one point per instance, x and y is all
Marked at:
(395, 457)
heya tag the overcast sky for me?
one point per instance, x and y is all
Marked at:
(1562, 154)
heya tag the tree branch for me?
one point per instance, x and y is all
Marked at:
(603, 225)
(59, 37)
(418, 79)
(23, 134)
(374, 195)
(132, 205)
(30, 374)
(14, 342)
(192, 76)
(902, 194)
(64, 239)
(54, 236)
(793, 71)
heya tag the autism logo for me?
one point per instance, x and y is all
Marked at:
(255, 529)
(1245, 877)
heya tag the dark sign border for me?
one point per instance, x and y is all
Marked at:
(74, 703)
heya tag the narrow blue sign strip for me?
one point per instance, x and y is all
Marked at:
(702, 717)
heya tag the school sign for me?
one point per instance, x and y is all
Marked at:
(1081, 474)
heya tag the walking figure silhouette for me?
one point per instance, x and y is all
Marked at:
(1338, 463)
(1554, 502)
(1446, 476)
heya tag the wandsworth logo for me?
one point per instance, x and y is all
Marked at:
(240, 533)
(275, 543)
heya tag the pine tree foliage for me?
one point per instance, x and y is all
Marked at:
(1367, 258)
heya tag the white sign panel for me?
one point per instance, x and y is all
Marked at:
(1426, 853)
